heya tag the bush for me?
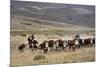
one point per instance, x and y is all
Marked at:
(23, 35)
(39, 57)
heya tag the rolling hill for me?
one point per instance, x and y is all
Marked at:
(83, 15)
(43, 16)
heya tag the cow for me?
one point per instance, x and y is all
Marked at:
(51, 44)
(87, 42)
(71, 44)
(93, 42)
(78, 43)
(44, 46)
(65, 44)
(21, 47)
(56, 45)
(60, 44)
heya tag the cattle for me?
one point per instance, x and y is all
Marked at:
(21, 47)
(80, 42)
(44, 46)
(65, 44)
(60, 44)
(93, 41)
(76, 43)
(51, 44)
(56, 45)
(87, 42)
(45, 50)
(71, 44)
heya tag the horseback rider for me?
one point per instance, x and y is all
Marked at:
(77, 36)
(32, 36)
(30, 40)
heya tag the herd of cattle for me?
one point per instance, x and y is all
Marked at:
(59, 44)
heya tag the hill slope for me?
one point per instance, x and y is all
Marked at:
(83, 15)
(26, 23)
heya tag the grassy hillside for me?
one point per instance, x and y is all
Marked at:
(20, 24)
(83, 15)
(51, 18)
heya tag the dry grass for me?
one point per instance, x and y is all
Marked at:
(39, 57)
(68, 56)
(27, 58)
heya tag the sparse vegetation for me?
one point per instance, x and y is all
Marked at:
(26, 23)
(23, 35)
(39, 57)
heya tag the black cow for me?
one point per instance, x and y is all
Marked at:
(80, 43)
(44, 46)
(51, 44)
(87, 42)
(61, 44)
(71, 44)
(93, 41)
(21, 47)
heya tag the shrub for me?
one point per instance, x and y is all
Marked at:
(39, 57)
(23, 35)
